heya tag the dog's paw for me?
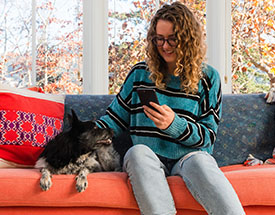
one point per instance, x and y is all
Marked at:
(81, 183)
(45, 180)
(45, 183)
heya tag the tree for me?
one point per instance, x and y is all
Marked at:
(15, 43)
(253, 48)
(60, 48)
(130, 48)
(59, 45)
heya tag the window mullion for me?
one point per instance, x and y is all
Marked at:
(218, 28)
(95, 47)
(32, 76)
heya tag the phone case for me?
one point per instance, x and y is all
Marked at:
(146, 96)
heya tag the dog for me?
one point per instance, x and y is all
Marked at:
(83, 149)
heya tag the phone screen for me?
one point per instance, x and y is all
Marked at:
(147, 95)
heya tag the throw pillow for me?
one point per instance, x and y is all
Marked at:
(28, 120)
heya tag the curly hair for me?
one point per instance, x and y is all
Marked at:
(190, 50)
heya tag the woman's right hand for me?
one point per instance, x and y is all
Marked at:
(162, 118)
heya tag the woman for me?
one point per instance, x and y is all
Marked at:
(178, 138)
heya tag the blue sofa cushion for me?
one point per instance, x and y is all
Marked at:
(247, 125)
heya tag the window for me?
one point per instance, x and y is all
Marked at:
(89, 46)
(127, 28)
(41, 44)
(240, 42)
(15, 42)
(253, 46)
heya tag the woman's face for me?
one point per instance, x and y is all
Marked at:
(165, 35)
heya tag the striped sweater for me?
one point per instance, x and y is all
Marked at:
(196, 116)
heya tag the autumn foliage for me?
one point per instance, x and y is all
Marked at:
(59, 45)
(253, 45)
(123, 55)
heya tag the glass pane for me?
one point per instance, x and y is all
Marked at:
(253, 45)
(128, 24)
(15, 42)
(198, 7)
(59, 45)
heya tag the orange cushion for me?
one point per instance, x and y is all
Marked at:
(20, 187)
(255, 185)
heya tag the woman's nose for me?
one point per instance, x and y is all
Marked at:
(166, 44)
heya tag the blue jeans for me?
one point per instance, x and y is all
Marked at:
(200, 173)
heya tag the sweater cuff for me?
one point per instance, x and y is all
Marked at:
(177, 127)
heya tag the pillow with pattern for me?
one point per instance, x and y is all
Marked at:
(28, 120)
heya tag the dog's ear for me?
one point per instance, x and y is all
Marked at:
(73, 119)
(70, 119)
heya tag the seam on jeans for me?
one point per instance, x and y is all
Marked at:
(188, 182)
(136, 199)
(172, 212)
(141, 211)
(197, 196)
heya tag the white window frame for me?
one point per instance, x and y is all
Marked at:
(95, 47)
(33, 72)
(218, 31)
(95, 73)
(95, 43)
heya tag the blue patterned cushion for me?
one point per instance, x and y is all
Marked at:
(87, 107)
(247, 125)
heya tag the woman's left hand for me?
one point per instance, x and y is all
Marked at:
(163, 118)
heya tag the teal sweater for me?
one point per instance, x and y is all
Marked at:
(196, 116)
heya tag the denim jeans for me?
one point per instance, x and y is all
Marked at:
(200, 173)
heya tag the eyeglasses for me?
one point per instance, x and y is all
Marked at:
(159, 41)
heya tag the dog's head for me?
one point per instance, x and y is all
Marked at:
(81, 138)
(89, 135)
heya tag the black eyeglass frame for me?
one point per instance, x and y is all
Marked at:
(174, 39)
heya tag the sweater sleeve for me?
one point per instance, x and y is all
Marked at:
(117, 115)
(201, 132)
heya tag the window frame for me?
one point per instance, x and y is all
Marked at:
(95, 74)
(33, 72)
(218, 33)
(87, 65)
(95, 47)
(95, 43)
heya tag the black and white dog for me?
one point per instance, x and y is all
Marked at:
(83, 149)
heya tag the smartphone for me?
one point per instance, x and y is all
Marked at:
(147, 95)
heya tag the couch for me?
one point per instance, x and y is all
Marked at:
(247, 127)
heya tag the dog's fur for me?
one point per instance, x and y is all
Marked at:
(83, 149)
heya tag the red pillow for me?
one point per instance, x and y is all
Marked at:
(28, 120)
